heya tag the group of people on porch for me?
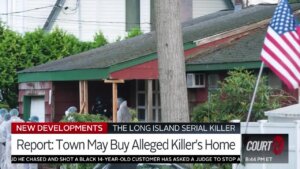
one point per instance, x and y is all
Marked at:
(99, 108)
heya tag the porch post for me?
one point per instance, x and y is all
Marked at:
(115, 101)
(115, 96)
(149, 101)
(83, 97)
(86, 97)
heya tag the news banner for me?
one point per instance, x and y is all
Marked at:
(144, 142)
(125, 142)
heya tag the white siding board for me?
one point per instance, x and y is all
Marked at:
(18, 20)
(112, 18)
(68, 19)
(108, 16)
(3, 9)
(96, 15)
(88, 13)
(145, 11)
(204, 7)
(37, 18)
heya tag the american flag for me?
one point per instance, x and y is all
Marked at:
(281, 49)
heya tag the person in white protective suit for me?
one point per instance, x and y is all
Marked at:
(2, 141)
(3, 111)
(14, 116)
(33, 119)
(123, 114)
(69, 112)
(7, 159)
(3, 136)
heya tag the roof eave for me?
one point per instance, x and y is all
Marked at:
(223, 66)
(67, 75)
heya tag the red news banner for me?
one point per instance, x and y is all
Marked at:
(59, 128)
(126, 142)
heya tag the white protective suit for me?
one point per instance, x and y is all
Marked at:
(123, 114)
(33, 119)
(70, 112)
(2, 142)
(7, 158)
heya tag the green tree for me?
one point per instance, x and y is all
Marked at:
(19, 52)
(99, 40)
(10, 49)
(232, 99)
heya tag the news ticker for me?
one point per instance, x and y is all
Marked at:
(131, 142)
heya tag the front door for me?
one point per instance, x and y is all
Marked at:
(37, 107)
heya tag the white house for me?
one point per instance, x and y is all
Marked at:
(84, 18)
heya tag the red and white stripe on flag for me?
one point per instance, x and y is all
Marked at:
(281, 49)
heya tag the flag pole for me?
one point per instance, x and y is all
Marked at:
(254, 95)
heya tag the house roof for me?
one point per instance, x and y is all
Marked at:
(140, 49)
(125, 50)
(243, 50)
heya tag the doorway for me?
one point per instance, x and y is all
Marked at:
(34, 106)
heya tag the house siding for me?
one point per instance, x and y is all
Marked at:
(95, 15)
(89, 17)
(204, 7)
(33, 89)
(27, 21)
(66, 95)
(145, 15)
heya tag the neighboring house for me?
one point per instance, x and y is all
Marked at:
(213, 45)
(84, 18)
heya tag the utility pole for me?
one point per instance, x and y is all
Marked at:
(53, 15)
(171, 62)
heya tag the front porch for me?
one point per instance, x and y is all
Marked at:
(50, 100)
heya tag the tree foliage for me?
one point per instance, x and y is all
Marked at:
(18, 52)
(10, 51)
(232, 99)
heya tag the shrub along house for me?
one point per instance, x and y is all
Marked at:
(213, 45)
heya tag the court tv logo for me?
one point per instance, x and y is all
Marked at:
(265, 148)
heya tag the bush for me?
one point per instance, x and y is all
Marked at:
(133, 32)
(232, 99)
(133, 113)
(76, 117)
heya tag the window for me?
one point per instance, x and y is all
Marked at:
(156, 102)
(132, 14)
(199, 79)
(195, 80)
(213, 80)
(141, 101)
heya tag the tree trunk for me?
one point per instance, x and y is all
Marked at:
(171, 62)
